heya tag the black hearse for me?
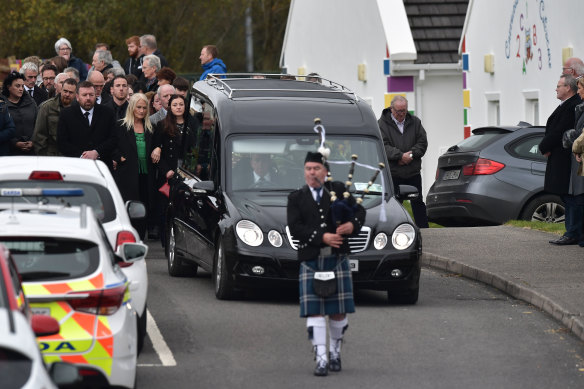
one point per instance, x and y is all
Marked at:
(220, 219)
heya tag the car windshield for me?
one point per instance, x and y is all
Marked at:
(95, 196)
(40, 259)
(276, 163)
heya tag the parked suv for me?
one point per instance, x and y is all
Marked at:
(220, 220)
(493, 176)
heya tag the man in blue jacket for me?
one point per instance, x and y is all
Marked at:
(210, 62)
(7, 128)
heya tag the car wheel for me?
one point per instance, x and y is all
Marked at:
(141, 330)
(546, 208)
(176, 267)
(409, 298)
(221, 276)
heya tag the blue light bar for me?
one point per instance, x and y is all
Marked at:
(23, 192)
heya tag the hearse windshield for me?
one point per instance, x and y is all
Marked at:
(276, 163)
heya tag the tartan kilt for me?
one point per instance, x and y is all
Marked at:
(339, 302)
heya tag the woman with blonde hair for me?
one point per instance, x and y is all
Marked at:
(136, 155)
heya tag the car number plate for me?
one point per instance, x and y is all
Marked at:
(354, 263)
(451, 175)
(41, 311)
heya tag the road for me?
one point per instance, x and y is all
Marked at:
(460, 334)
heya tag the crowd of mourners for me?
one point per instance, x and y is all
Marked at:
(134, 117)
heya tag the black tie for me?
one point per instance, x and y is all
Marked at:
(30, 91)
(87, 118)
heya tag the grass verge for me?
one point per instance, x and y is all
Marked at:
(554, 228)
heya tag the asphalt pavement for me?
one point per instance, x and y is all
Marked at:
(517, 261)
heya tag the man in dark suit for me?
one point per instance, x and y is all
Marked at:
(557, 172)
(31, 72)
(85, 129)
(119, 101)
(322, 246)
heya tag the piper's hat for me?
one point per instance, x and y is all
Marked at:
(314, 157)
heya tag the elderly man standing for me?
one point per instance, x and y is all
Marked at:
(573, 67)
(405, 142)
(148, 46)
(85, 129)
(31, 72)
(150, 66)
(44, 137)
(210, 62)
(96, 78)
(164, 93)
(102, 60)
(557, 172)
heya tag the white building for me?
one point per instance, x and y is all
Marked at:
(380, 48)
(513, 52)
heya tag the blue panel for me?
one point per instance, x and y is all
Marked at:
(465, 62)
(386, 66)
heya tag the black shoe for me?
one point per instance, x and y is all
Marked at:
(334, 363)
(564, 241)
(321, 369)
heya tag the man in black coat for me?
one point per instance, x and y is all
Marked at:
(322, 246)
(557, 172)
(31, 72)
(85, 129)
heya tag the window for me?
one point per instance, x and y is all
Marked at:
(527, 148)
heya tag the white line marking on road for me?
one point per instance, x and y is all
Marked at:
(158, 343)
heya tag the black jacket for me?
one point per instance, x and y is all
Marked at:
(74, 135)
(173, 148)
(39, 95)
(119, 110)
(24, 115)
(134, 66)
(308, 220)
(557, 172)
(396, 144)
(126, 173)
(6, 128)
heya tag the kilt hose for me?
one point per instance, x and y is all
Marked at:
(340, 302)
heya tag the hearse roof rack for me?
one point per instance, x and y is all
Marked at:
(324, 85)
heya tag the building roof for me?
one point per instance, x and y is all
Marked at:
(436, 27)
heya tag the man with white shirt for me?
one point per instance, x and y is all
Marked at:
(405, 142)
(85, 129)
(31, 72)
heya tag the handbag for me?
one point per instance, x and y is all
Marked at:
(165, 189)
(324, 283)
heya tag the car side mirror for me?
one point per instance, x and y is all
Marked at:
(407, 192)
(132, 252)
(136, 209)
(65, 374)
(43, 325)
(204, 187)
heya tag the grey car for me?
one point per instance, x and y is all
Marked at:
(495, 175)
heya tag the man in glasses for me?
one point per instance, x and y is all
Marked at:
(405, 142)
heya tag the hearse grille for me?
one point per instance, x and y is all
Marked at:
(356, 243)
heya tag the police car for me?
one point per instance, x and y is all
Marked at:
(100, 192)
(70, 272)
(21, 364)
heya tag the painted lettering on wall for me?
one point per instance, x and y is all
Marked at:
(523, 45)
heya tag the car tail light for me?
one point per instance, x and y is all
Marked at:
(45, 175)
(482, 167)
(98, 302)
(437, 173)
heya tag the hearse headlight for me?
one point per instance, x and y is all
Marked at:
(403, 236)
(249, 233)
(275, 238)
(380, 241)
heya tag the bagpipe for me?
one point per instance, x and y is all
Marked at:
(343, 207)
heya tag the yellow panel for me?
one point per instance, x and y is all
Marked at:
(490, 63)
(567, 52)
(466, 98)
(390, 96)
(362, 72)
